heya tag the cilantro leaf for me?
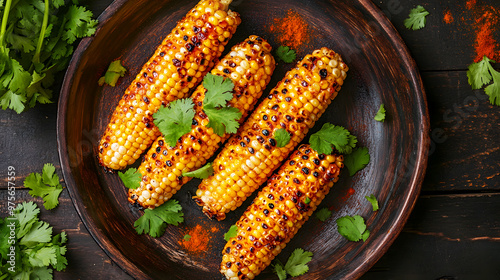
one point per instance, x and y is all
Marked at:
(329, 135)
(114, 72)
(154, 221)
(286, 54)
(297, 262)
(45, 186)
(40, 232)
(282, 137)
(219, 90)
(478, 74)
(232, 232)
(357, 160)
(373, 200)
(37, 38)
(416, 18)
(26, 214)
(201, 173)
(131, 178)
(353, 228)
(493, 90)
(323, 214)
(175, 120)
(43, 257)
(279, 269)
(380, 116)
(223, 120)
(187, 237)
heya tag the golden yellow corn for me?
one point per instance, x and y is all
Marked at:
(176, 67)
(251, 155)
(279, 210)
(250, 66)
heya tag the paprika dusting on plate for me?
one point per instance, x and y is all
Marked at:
(448, 17)
(292, 30)
(199, 240)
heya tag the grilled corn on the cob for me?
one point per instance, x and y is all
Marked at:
(177, 66)
(250, 66)
(250, 156)
(279, 210)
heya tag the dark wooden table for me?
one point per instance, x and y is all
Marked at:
(454, 230)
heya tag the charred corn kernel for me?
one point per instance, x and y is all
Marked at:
(199, 145)
(278, 212)
(257, 134)
(183, 47)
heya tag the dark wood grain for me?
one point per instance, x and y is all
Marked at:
(427, 248)
(381, 71)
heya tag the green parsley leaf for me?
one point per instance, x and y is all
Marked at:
(279, 269)
(40, 232)
(221, 118)
(175, 120)
(373, 200)
(478, 74)
(416, 18)
(201, 173)
(353, 228)
(286, 54)
(380, 116)
(131, 178)
(357, 160)
(323, 214)
(45, 186)
(154, 221)
(297, 263)
(187, 237)
(329, 135)
(232, 232)
(114, 72)
(282, 137)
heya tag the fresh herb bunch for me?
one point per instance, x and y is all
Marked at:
(34, 250)
(36, 42)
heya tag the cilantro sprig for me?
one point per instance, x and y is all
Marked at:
(222, 118)
(114, 72)
(201, 173)
(416, 19)
(232, 232)
(373, 200)
(353, 228)
(329, 135)
(357, 160)
(130, 178)
(36, 250)
(36, 42)
(380, 116)
(45, 185)
(296, 264)
(323, 214)
(286, 54)
(154, 221)
(481, 74)
(175, 120)
(282, 137)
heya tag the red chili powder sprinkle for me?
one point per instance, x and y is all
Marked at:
(199, 241)
(292, 30)
(448, 17)
(485, 44)
(470, 4)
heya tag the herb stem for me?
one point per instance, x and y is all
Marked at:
(5, 18)
(36, 57)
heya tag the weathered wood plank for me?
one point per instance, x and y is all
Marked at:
(464, 153)
(451, 235)
(439, 46)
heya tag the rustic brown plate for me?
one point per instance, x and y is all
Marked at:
(381, 71)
